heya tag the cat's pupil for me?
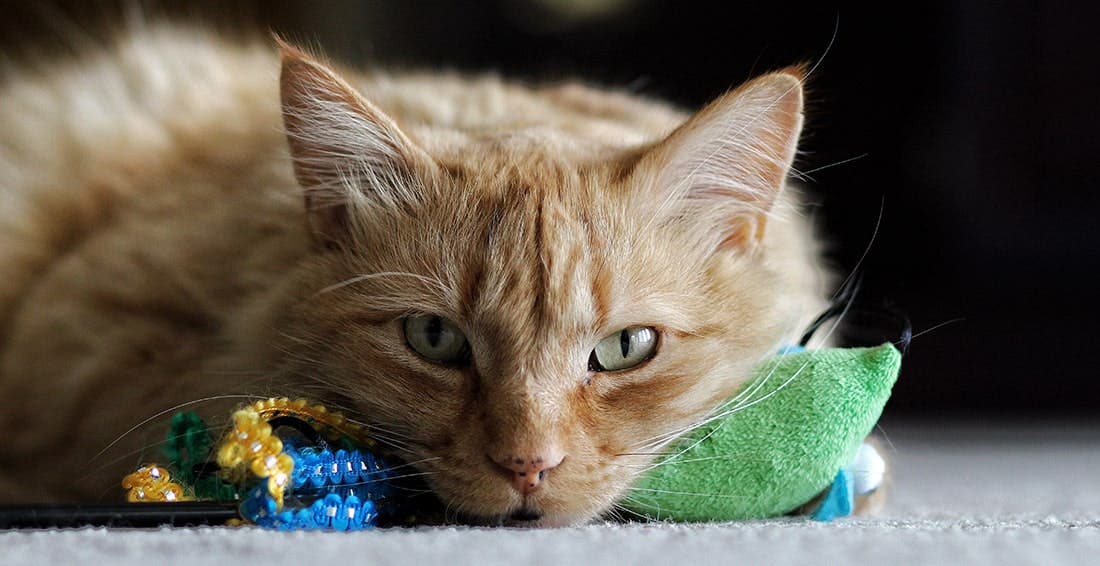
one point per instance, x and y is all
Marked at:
(434, 331)
(624, 342)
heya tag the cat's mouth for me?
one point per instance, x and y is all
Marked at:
(525, 515)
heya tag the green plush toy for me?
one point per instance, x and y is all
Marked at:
(803, 419)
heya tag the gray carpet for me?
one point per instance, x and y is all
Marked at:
(1024, 493)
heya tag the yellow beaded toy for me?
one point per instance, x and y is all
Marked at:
(251, 448)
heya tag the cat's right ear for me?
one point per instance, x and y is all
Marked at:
(349, 157)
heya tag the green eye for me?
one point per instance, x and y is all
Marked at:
(436, 339)
(624, 349)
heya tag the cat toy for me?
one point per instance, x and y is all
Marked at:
(287, 464)
(794, 432)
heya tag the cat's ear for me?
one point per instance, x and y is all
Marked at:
(721, 172)
(349, 156)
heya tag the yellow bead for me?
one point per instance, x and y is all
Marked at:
(260, 466)
(173, 492)
(229, 455)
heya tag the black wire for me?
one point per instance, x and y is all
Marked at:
(133, 515)
(863, 319)
(840, 303)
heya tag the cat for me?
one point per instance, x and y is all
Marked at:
(526, 290)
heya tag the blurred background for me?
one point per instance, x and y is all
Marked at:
(950, 144)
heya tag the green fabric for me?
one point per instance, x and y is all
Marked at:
(188, 445)
(804, 417)
(188, 448)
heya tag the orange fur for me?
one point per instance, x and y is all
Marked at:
(157, 249)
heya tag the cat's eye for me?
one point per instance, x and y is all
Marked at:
(436, 339)
(624, 349)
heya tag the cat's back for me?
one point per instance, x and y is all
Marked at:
(132, 131)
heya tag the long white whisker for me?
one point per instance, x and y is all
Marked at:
(368, 276)
(866, 250)
(171, 410)
(690, 493)
(937, 327)
(750, 401)
(834, 164)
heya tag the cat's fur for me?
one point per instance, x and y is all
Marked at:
(156, 248)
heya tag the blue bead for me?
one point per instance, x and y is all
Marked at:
(321, 469)
(368, 511)
(257, 506)
(333, 502)
(317, 511)
(341, 520)
(364, 468)
(339, 464)
(352, 470)
(303, 519)
(355, 511)
(283, 521)
(298, 475)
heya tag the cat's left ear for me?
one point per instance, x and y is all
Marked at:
(721, 172)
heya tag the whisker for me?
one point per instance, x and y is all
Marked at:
(391, 478)
(171, 410)
(834, 164)
(689, 493)
(866, 250)
(622, 509)
(645, 504)
(754, 386)
(368, 276)
(726, 411)
(886, 438)
(936, 327)
(646, 468)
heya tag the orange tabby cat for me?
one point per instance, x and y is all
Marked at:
(526, 290)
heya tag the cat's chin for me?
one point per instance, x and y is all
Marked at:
(550, 521)
(525, 519)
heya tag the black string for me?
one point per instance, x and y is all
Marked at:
(305, 429)
(863, 323)
(840, 303)
(133, 515)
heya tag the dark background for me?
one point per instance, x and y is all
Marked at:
(971, 129)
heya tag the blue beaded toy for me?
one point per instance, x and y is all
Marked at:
(288, 464)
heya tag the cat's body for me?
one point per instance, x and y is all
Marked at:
(155, 250)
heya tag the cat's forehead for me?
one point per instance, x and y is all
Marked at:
(530, 239)
(537, 248)
(552, 247)
(525, 150)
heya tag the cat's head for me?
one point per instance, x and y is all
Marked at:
(529, 319)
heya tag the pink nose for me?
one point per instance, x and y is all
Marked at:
(528, 473)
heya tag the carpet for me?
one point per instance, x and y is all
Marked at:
(962, 493)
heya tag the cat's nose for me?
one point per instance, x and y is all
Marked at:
(529, 471)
